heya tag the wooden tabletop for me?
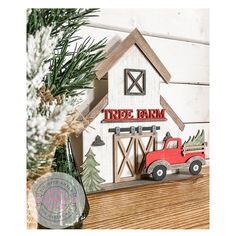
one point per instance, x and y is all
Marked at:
(181, 204)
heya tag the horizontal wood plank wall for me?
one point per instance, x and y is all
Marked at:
(187, 62)
(189, 25)
(190, 102)
(172, 205)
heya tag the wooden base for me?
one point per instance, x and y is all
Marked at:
(179, 204)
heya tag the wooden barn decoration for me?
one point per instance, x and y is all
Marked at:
(132, 73)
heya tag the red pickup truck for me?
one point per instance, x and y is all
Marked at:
(176, 156)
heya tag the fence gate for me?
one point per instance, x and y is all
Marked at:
(129, 152)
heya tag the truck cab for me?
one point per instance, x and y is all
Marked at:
(171, 152)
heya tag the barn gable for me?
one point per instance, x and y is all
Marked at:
(134, 38)
(108, 69)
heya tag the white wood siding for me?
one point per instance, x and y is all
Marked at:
(133, 59)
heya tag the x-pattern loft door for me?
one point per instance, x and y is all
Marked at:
(135, 82)
(129, 153)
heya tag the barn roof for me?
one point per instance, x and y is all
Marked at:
(134, 38)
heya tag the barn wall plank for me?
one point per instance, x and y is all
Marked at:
(183, 24)
(186, 62)
(134, 59)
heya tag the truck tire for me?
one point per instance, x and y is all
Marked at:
(159, 172)
(195, 167)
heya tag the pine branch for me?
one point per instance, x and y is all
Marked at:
(68, 20)
(70, 71)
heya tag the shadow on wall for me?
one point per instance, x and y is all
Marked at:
(101, 86)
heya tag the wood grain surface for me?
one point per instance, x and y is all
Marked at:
(182, 204)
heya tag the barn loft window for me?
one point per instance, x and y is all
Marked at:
(135, 82)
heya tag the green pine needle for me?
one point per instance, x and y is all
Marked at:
(70, 71)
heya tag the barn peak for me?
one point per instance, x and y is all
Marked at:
(134, 38)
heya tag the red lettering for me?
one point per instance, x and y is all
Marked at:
(106, 114)
(114, 115)
(145, 114)
(140, 113)
(130, 113)
(152, 114)
(123, 114)
(161, 114)
(127, 114)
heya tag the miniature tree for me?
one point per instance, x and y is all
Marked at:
(198, 139)
(90, 177)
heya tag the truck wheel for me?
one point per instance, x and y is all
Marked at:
(159, 172)
(195, 167)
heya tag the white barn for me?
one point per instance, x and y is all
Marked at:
(128, 79)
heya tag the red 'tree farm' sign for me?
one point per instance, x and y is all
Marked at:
(122, 115)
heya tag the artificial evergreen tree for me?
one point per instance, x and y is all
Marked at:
(90, 177)
(198, 139)
(60, 67)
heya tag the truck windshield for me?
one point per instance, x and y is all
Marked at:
(172, 144)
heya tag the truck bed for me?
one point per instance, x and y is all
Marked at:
(192, 149)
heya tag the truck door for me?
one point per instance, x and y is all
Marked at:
(172, 151)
